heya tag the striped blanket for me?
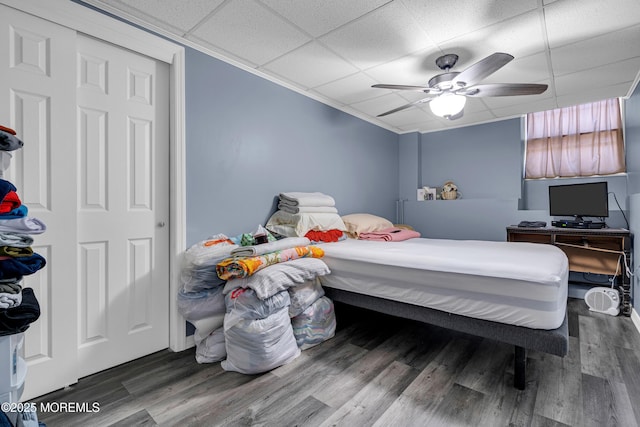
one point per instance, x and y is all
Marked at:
(236, 268)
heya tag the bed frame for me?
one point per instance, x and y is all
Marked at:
(554, 341)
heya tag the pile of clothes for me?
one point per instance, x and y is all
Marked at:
(312, 215)
(263, 307)
(200, 299)
(19, 306)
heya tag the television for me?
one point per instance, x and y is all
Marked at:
(579, 200)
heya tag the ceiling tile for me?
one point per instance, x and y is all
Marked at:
(334, 50)
(521, 36)
(320, 17)
(414, 69)
(612, 47)
(608, 75)
(381, 36)
(571, 20)
(168, 14)
(351, 89)
(250, 31)
(445, 20)
(311, 65)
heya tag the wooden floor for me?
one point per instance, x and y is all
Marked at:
(380, 371)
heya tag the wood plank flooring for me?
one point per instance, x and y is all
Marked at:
(379, 371)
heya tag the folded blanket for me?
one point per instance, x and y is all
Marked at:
(10, 202)
(306, 209)
(28, 225)
(20, 240)
(280, 277)
(303, 222)
(265, 248)
(22, 266)
(306, 199)
(19, 212)
(233, 268)
(15, 251)
(392, 234)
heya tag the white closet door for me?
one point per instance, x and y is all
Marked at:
(94, 168)
(123, 205)
(37, 99)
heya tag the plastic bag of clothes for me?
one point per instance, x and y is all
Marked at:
(196, 279)
(256, 346)
(315, 325)
(303, 295)
(199, 270)
(202, 304)
(243, 303)
(212, 348)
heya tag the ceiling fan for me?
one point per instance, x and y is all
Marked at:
(448, 91)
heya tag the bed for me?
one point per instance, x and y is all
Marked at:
(506, 291)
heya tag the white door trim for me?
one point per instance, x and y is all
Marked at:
(90, 22)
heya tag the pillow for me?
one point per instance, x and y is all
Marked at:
(363, 223)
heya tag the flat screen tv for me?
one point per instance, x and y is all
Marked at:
(579, 200)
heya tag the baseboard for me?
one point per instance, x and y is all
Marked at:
(635, 318)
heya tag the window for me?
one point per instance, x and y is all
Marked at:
(583, 140)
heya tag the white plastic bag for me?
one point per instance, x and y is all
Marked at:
(303, 295)
(212, 348)
(202, 304)
(315, 325)
(256, 346)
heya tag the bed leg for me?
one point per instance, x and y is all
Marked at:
(519, 368)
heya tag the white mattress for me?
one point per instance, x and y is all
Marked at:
(522, 284)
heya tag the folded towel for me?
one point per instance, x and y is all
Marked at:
(22, 266)
(392, 234)
(286, 243)
(20, 240)
(306, 199)
(306, 209)
(28, 225)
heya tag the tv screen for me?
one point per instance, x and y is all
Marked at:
(589, 199)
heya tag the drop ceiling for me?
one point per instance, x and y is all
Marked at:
(334, 50)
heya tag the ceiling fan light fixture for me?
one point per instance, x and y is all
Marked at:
(447, 105)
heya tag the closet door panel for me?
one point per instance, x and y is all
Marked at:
(37, 87)
(123, 164)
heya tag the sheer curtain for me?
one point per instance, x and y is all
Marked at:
(583, 140)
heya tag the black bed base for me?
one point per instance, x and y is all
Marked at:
(554, 341)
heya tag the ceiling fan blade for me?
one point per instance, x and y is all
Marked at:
(505, 89)
(404, 107)
(481, 69)
(402, 87)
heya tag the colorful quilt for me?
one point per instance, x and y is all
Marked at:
(237, 268)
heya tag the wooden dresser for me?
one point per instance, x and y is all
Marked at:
(601, 251)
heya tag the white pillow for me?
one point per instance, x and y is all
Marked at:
(363, 223)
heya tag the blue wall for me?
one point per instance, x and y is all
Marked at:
(632, 139)
(486, 163)
(249, 139)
